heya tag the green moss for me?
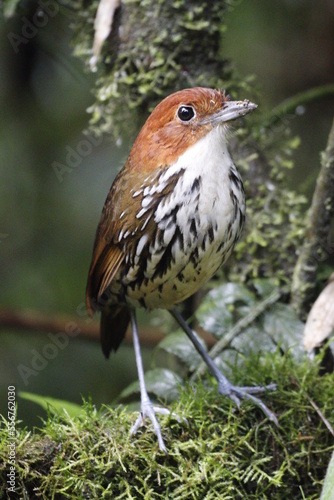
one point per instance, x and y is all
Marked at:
(222, 453)
(155, 48)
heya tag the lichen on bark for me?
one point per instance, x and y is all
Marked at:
(317, 245)
(155, 47)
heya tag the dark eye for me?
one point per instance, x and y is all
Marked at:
(186, 113)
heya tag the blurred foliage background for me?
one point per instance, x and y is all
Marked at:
(48, 222)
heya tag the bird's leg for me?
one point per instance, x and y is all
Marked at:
(146, 408)
(225, 387)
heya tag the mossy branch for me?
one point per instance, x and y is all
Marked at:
(316, 247)
(222, 453)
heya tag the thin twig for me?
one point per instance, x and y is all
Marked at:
(239, 327)
(289, 106)
(87, 329)
(317, 409)
(321, 415)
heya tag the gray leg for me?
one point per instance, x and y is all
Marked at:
(224, 386)
(147, 409)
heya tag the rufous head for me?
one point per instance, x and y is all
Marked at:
(179, 121)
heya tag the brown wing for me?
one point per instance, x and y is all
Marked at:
(123, 222)
(108, 253)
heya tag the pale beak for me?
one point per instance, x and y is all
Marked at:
(230, 111)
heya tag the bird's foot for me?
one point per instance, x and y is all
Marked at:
(237, 394)
(150, 411)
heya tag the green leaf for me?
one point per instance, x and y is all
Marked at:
(54, 405)
(180, 346)
(230, 293)
(328, 488)
(252, 339)
(161, 382)
(264, 286)
(284, 327)
(216, 311)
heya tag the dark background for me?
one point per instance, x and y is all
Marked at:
(47, 225)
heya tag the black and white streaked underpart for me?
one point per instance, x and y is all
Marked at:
(198, 208)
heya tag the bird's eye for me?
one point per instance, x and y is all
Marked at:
(186, 113)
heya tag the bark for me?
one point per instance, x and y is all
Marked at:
(317, 245)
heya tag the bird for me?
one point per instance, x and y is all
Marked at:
(171, 219)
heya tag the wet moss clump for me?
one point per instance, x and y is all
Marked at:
(222, 452)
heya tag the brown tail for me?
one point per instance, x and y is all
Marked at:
(113, 326)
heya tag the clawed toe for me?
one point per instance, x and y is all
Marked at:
(237, 394)
(165, 411)
(257, 388)
(148, 410)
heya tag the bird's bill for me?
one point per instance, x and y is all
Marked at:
(231, 110)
